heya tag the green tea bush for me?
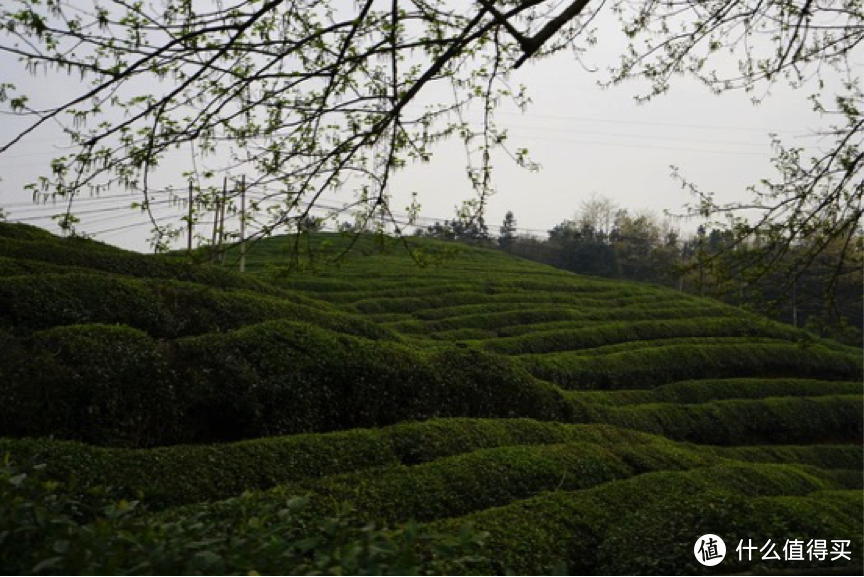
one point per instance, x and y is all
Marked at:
(648, 523)
(19, 231)
(829, 419)
(717, 389)
(700, 391)
(676, 362)
(598, 335)
(46, 528)
(626, 313)
(577, 304)
(161, 308)
(668, 528)
(108, 385)
(281, 378)
(458, 485)
(272, 378)
(93, 255)
(480, 384)
(19, 266)
(823, 456)
(180, 475)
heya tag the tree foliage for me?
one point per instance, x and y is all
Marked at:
(507, 235)
(304, 97)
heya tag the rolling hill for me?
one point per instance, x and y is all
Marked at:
(489, 414)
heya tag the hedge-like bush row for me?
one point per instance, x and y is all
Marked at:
(649, 523)
(462, 484)
(482, 303)
(427, 306)
(21, 231)
(846, 457)
(180, 475)
(796, 420)
(93, 255)
(161, 308)
(466, 334)
(598, 335)
(514, 320)
(599, 309)
(658, 365)
(700, 391)
(20, 266)
(120, 387)
(626, 313)
(96, 383)
(491, 294)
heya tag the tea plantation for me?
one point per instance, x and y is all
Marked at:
(350, 411)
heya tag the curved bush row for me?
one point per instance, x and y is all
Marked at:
(845, 457)
(627, 313)
(578, 319)
(433, 286)
(115, 385)
(20, 231)
(677, 362)
(649, 523)
(499, 319)
(831, 419)
(498, 294)
(591, 310)
(162, 308)
(462, 484)
(638, 346)
(90, 254)
(19, 266)
(423, 307)
(522, 301)
(598, 335)
(700, 391)
(180, 475)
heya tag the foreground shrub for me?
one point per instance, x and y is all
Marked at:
(46, 528)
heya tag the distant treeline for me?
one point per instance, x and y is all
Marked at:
(605, 240)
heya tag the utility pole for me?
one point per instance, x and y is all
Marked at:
(701, 232)
(795, 303)
(222, 217)
(243, 223)
(189, 223)
(216, 219)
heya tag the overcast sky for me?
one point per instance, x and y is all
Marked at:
(588, 140)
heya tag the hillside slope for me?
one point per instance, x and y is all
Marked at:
(570, 417)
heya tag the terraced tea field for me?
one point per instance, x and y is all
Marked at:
(489, 414)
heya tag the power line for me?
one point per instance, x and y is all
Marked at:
(634, 135)
(648, 147)
(643, 123)
(31, 218)
(85, 199)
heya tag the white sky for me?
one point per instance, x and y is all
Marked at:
(588, 140)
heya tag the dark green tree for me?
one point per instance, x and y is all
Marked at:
(507, 236)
